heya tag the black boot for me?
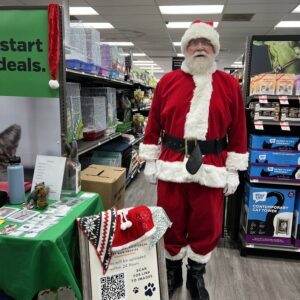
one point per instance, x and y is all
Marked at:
(195, 282)
(174, 275)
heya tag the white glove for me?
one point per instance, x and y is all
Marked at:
(150, 171)
(232, 182)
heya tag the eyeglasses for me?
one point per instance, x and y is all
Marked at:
(202, 41)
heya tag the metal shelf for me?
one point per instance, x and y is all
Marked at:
(268, 247)
(274, 182)
(75, 75)
(85, 146)
(137, 140)
(273, 97)
(146, 108)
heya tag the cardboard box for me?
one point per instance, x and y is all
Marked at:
(274, 172)
(274, 142)
(267, 215)
(108, 182)
(275, 157)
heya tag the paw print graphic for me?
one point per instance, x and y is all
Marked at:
(135, 290)
(149, 289)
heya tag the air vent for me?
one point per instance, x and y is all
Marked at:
(237, 17)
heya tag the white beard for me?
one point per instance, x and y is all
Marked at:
(199, 65)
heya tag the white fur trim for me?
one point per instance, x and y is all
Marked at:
(140, 239)
(207, 175)
(202, 259)
(180, 255)
(201, 30)
(237, 161)
(149, 151)
(54, 84)
(196, 122)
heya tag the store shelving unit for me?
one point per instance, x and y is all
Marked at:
(271, 127)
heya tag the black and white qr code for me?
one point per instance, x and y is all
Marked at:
(113, 287)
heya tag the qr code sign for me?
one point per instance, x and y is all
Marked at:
(113, 287)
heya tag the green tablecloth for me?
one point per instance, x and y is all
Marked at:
(29, 265)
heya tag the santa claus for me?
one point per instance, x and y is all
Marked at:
(195, 144)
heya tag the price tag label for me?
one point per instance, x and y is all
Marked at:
(263, 99)
(283, 100)
(258, 125)
(285, 126)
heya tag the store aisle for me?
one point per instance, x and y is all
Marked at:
(230, 276)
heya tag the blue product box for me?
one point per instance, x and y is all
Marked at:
(296, 222)
(274, 142)
(268, 215)
(275, 157)
(274, 172)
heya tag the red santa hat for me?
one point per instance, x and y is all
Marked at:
(201, 29)
(53, 43)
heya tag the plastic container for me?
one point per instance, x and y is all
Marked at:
(71, 182)
(15, 177)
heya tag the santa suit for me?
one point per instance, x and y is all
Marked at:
(206, 107)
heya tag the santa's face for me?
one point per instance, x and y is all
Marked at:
(200, 49)
(199, 56)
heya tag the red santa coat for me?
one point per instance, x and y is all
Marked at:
(205, 106)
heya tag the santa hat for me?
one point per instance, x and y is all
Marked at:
(201, 29)
(53, 43)
(113, 230)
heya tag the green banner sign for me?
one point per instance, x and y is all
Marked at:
(24, 69)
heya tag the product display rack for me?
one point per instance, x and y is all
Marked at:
(274, 127)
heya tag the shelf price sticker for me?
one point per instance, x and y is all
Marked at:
(283, 100)
(263, 99)
(258, 125)
(285, 126)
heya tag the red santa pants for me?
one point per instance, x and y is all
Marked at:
(196, 212)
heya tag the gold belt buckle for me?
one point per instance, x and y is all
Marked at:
(186, 148)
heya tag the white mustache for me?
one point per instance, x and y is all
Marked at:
(200, 52)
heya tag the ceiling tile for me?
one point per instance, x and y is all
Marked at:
(127, 10)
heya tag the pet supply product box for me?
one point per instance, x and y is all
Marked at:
(275, 157)
(274, 172)
(108, 182)
(274, 142)
(297, 85)
(296, 222)
(285, 84)
(267, 215)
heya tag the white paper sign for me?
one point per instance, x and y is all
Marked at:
(285, 126)
(50, 170)
(132, 274)
(258, 125)
(283, 100)
(263, 99)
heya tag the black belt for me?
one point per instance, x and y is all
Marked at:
(194, 149)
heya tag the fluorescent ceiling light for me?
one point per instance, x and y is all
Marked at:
(236, 66)
(118, 43)
(180, 55)
(143, 61)
(139, 54)
(184, 24)
(288, 24)
(177, 43)
(297, 9)
(238, 63)
(92, 25)
(82, 11)
(191, 9)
